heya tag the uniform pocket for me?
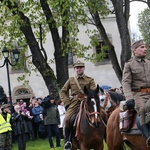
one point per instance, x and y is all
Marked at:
(137, 70)
(137, 73)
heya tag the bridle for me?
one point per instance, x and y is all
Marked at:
(112, 107)
(96, 113)
(88, 115)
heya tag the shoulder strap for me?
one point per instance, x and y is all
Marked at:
(78, 85)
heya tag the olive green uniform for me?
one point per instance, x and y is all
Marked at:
(73, 100)
(136, 75)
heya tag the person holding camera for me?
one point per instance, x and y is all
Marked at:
(51, 120)
(20, 127)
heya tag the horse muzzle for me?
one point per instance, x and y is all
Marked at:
(96, 124)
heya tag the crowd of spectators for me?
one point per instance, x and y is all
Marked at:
(37, 119)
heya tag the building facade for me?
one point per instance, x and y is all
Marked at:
(102, 72)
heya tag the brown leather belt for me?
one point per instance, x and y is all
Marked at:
(79, 96)
(145, 90)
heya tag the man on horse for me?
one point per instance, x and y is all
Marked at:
(136, 84)
(74, 86)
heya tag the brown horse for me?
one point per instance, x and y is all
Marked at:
(91, 123)
(115, 140)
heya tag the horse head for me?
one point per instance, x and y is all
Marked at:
(109, 99)
(105, 99)
(92, 106)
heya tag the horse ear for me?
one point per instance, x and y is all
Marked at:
(97, 89)
(86, 90)
(101, 90)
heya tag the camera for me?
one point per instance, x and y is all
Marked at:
(45, 102)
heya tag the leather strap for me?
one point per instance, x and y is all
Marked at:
(145, 90)
(78, 85)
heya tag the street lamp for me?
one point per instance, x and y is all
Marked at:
(7, 62)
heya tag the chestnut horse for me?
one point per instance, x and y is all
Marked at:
(91, 123)
(115, 139)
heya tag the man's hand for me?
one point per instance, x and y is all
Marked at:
(130, 103)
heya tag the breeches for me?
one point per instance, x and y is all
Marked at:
(73, 109)
(140, 100)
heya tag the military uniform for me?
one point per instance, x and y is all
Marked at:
(76, 96)
(136, 78)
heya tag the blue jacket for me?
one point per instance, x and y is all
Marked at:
(36, 111)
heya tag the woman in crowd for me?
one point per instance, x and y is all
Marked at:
(62, 113)
(36, 111)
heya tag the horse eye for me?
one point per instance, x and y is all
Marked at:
(102, 99)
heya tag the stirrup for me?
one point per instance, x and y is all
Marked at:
(68, 145)
(148, 142)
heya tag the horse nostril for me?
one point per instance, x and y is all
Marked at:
(96, 124)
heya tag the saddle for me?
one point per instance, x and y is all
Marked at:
(74, 121)
(127, 122)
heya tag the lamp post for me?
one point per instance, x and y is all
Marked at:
(7, 62)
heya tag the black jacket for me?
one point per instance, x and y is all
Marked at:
(19, 123)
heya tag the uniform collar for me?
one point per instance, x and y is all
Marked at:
(78, 76)
(139, 59)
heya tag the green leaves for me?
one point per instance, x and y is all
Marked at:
(144, 23)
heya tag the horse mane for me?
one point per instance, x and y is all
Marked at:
(90, 92)
(116, 97)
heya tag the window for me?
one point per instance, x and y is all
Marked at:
(70, 58)
(99, 50)
(22, 91)
(70, 53)
(102, 50)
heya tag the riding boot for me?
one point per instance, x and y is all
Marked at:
(145, 130)
(68, 144)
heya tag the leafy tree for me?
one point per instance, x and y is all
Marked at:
(21, 21)
(143, 23)
(121, 9)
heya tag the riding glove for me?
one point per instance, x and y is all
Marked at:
(130, 103)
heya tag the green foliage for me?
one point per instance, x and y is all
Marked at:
(69, 14)
(144, 23)
(100, 6)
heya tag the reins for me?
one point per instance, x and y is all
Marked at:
(88, 114)
(113, 107)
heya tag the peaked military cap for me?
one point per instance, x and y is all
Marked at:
(79, 64)
(137, 44)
